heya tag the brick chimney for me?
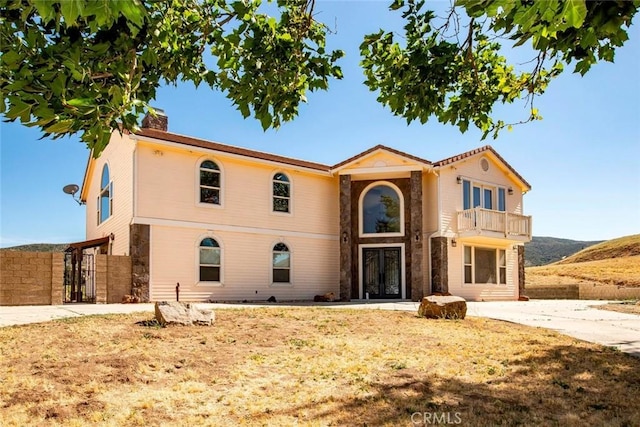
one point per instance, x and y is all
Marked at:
(160, 122)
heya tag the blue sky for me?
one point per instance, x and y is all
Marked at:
(582, 160)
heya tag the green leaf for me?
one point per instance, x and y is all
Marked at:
(81, 102)
(574, 12)
(71, 10)
(63, 126)
(19, 109)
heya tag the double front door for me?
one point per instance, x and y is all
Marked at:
(382, 272)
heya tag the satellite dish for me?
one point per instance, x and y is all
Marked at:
(71, 189)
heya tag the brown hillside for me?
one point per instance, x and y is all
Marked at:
(622, 247)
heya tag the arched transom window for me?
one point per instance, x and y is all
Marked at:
(381, 210)
(209, 252)
(209, 182)
(281, 264)
(105, 198)
(281, 193)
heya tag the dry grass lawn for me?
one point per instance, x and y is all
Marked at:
(615, 271)
(310, 366)
(629, 307)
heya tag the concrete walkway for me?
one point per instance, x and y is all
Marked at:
(570, 317)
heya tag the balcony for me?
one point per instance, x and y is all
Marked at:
(490, 223)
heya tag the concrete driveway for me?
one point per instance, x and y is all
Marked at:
(575, 318)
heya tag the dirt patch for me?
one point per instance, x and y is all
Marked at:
(308, 366)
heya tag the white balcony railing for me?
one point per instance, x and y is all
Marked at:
(480, 220)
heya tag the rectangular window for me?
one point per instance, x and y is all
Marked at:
(476, 197)
(466, 194)
(502, 205)
(485, 265)
(484, 196)
(488, 198)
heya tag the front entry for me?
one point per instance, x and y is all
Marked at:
(381, 272)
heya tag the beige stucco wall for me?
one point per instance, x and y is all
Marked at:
(246, 265)
(168, 181)
(119, 156)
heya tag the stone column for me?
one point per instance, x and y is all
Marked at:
(416, 236)
(439, 265)
(521, 277)
(140, 250)
(346, 239)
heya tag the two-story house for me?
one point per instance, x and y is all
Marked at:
(230, 224)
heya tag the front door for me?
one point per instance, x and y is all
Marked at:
(381, 273)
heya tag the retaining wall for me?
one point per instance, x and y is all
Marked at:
(582, 291)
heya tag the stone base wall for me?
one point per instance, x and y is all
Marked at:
(139, 249)
(582, 291)
(31, 278)
(439, 265)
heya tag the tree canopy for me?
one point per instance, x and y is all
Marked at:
(93, 66)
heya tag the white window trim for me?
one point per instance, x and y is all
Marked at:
(484, 185)
(361, 232)
(403, 272)
(98, 199)
(278, 213)
(497, 266)
(198, 282)
(290, 283)
(197, 181)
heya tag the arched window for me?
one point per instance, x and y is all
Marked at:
(381, 210)
(281, 193)
(209, 182)
(105, 198)
(209, 260)
(281, 264)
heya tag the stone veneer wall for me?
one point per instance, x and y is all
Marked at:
(417, 275)
(521, 276)
(31, 278)
(345, 238)
(404, 184)
(140, 247)
(439, 265)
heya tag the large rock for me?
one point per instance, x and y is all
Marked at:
(443, 307)
(180, 313)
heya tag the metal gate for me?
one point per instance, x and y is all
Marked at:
(79, 277)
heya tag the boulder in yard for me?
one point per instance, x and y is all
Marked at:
(180, 313)
(443, 307)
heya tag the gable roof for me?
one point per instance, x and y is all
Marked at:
(230, 149)
(378, 147)
(486, 148)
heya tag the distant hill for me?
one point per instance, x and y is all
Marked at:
(546, 250)
(39, 247)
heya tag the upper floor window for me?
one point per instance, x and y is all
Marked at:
(281, 264)
(381, 210)
(209, 182)
(105, 197)
(281, 193)
(482, 195)
(209, 262)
